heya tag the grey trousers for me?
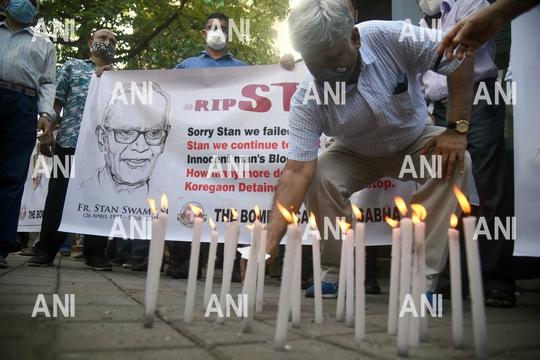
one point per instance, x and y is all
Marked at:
(341, 172)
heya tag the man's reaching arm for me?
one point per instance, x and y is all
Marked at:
(291, 189)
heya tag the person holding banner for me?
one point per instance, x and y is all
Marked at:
(382, 123)
(216, 54)
(72, 84)
(27, 69)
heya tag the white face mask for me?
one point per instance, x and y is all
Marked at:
(430, 7)
(216, 40)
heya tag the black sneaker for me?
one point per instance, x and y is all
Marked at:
(118, 260)
(41, 260)
(99, 263)
(182, 271)
(131, 262)
(3, 263)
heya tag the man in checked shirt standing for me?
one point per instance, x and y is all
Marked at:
(27, 70)
(381, 122)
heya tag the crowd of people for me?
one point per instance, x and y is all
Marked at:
(404, 98)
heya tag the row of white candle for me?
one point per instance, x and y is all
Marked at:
(408, 253)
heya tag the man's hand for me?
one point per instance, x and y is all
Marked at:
(470, 33)
(46, 145)
(101, 69)
(43, 125)
(451, 146)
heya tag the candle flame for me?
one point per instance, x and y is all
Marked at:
(225, 219)
(393, 223)
(415, 218)
(257, 212)
(453, 220)
(152, 203)
(285, 213)
(234, 214)
(344, 226)
(196, 210)
(294, 218)
(400, 203)
(419, 210)
(357, 212)
(211, 223)
(250, 226)
(462, 199)
(312, 221)
(164, 202)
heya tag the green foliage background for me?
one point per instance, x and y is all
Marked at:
(157, 34)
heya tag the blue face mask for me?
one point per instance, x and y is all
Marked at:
(21, 11)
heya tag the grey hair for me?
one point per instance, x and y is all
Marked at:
(127, 87)
(318, 24)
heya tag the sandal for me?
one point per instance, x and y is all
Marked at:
(500, 299)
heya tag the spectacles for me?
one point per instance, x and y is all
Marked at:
(152, 137)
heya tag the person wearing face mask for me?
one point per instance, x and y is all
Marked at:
(486, 145)
(371, 284)
(382, 123)
(216, 54)
(27, 70)
(72, 83)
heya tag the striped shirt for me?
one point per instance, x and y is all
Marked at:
(206, 61)
(373, 121)
(29, 60)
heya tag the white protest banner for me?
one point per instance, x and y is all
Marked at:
(526, 131)
(216, 138)
(35, 193)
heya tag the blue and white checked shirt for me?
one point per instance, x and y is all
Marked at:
(206, 61)
(373, 121)
(29, 59)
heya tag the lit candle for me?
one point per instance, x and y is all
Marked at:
(250, 280)
(406, 230)
(229, 254)
(211, 263)
(455, 283)
(155, 257)
(293, 236)
(360, 276)
(260, 272)
(418, 278)
(475, 278)
(349, 289)
(394, 278)
(296, 292)
(340, 307)
(193, 264)
(316, 252)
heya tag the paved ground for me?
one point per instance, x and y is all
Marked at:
(108, 323)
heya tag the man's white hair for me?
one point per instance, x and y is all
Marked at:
(318, 24)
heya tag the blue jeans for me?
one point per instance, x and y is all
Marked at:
(18, 120)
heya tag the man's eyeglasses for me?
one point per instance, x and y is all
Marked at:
(152, 137)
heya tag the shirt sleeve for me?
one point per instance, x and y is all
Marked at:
(182, 65)
(62, 82)
(46, 83)
(417, 47)
(304, 129)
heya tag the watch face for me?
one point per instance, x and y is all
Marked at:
(462, 126)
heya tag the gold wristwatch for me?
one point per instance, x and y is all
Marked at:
(461, 126)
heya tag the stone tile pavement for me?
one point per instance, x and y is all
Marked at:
(109, 309)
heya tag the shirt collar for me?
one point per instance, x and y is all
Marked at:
(367, 55)
(27, 28)
(228, 54)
